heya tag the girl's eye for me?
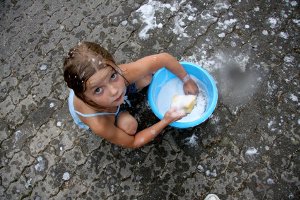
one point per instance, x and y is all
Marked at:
(114, 76)
(98, 90)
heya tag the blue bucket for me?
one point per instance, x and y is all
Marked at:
(207, 84)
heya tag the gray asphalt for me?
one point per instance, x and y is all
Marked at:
(248, 149)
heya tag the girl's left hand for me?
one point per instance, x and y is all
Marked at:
(190, 87)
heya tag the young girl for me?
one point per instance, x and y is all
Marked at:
(98, 87)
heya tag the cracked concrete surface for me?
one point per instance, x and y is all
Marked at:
(248, 149)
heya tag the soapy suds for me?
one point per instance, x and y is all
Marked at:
(296, 21)
(175, 87)
(251, 153)
(294, 3)
(227, 23)
(273, 22)
(221, 35)
(213, 173)
(28, 183)
(18, 136)
(294, 97)
(152, 11)
(265, 32)
(288, 59)
(192, 141)
(66, 176)
(284, 35)
(43, 67)
(270, 181)
(40, 166)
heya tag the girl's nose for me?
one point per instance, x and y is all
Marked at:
(113, 90)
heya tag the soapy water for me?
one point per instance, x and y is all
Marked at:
(174, 87)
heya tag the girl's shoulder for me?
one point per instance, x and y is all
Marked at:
(80, 106)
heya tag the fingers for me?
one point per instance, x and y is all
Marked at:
(191, 91)
(176, 114)
(190, 87)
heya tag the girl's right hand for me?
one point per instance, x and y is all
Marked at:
(173, 115)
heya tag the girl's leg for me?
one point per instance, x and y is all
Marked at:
(127, 123)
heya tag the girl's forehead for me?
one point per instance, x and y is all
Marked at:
(99, 77)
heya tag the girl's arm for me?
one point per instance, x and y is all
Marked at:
(150, 64)
(117, 136)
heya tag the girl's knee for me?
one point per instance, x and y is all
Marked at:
(127, 123)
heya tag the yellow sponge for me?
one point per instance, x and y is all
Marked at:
(184, 102)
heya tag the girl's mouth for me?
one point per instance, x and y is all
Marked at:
(119, 98)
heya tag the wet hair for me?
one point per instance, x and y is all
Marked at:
(84, 60)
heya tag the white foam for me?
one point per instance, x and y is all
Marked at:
(293, 97)
(284, 35)
(294, 3)
(288, 59)
(179, 29)
(148, 16)
(175, 87)
(43, 67)
(66, 176)
(40, 166)
(221, 6)
(251, 153)
(58, 124)
(149, 19)
(226, 24)
(273, 22)
(124, 23)
(270, 181)
(265, 32)
(221, 35)
(296, 21)
(28, 183)
(192, 141)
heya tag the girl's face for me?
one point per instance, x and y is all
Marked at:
(106, 88)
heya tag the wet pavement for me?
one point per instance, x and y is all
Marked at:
(248, 149)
